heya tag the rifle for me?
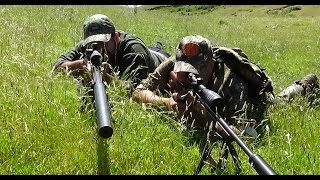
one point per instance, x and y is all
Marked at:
(208, 98)
(211, 100)
(100, 99)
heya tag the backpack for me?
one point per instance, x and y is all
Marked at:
(258, 81)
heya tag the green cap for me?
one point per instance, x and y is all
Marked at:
(192, 54)
(98, 28)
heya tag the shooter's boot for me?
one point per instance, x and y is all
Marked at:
(307, 86)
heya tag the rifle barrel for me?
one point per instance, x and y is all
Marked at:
(103, 112)
(258, 163)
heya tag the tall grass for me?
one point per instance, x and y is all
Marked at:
(43, 132)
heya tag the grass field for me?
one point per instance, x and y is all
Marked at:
(43, 132)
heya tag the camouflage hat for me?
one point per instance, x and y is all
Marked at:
(181, 66)
(192, 54)
(98, 28)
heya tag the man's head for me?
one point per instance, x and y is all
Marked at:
(98, 28)
(193, 54)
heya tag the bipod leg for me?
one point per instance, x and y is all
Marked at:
(224, 156)
(234, 156)
(205, 155)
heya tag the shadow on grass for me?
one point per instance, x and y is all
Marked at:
(103, 156)
(103, 160)
(88, 106)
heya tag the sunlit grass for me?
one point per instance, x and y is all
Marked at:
(43, 132)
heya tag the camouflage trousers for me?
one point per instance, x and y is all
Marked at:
(253, 112)
(307, 87)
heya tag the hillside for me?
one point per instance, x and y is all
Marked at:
(249, 10)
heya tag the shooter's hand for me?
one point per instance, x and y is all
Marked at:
(77, 68)
(107, 72)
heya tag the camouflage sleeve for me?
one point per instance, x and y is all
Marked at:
(159, 79)
(71, 55)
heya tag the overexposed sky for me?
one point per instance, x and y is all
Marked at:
(131, 6)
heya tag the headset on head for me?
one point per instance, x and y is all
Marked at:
(190, 49)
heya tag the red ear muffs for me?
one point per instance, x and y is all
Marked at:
(190, 49)
(116, 36)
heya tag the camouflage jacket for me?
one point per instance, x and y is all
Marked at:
(240, 95)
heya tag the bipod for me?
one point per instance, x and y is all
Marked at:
(226, 147)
